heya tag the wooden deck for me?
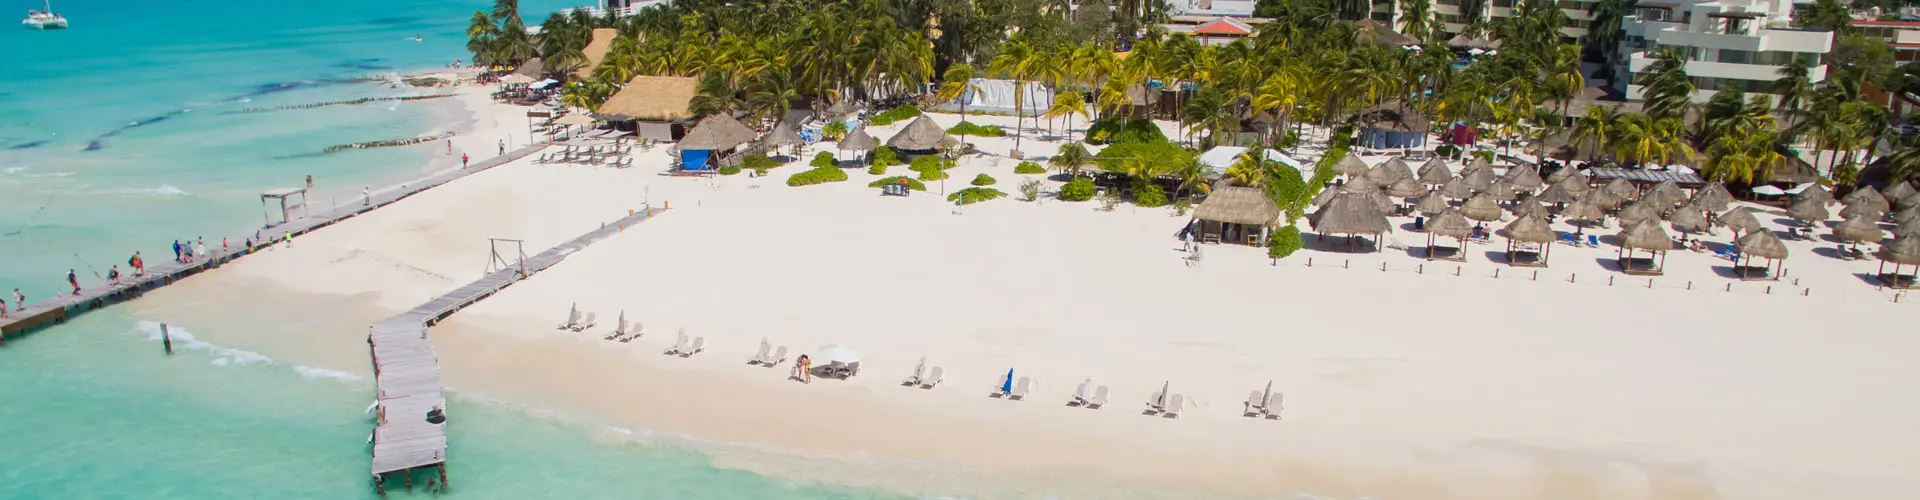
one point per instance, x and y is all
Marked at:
(162, 272)
(407, 373)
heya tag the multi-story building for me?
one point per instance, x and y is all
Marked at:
(1453, 14)
(1726, 43)
(1902, 36)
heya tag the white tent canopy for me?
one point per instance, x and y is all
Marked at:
(999, 94)
(1221, 157)
(543, 84)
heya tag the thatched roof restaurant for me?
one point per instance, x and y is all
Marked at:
(922, 136)
(1529, 241)
(596, 51)
(1644, 236)
(1237, 214)
(656, 103)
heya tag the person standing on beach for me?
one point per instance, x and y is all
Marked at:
(309, 181)
(463, 160)
(449, 147)
(73, 279)
(289, 238)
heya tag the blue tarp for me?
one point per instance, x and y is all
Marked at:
(694, 160)
(1377, 138)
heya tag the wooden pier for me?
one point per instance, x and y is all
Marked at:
(411, 433)
(162, 271)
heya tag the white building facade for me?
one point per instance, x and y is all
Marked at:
(1726, 43)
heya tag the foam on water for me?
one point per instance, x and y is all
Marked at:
(162, 190)
(183, 339)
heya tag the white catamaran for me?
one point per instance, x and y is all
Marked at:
(44, 19)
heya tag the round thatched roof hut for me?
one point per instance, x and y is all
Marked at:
(1563, 173)
(716, 132)
(1908, 228)
(1866, 195)
(1738, 219)
(1350, 166)
(858, 140)
(1389, 172)
(1906, 214)
(1481, 207)
(1326, 195)
(1910, 201)
(1406, 188)
(1380, 200)
(1808, 210)
(1432, 204)
(1434, 176)
(1688, 220)
(1479, 179)
(921, 135)
(1451, 224)
(1456, 189)
(1901, 252)
(1524, 178)
(1646, 235)
(782, 135)
(1530, 229)
(1477, 163)
(1857, 229)
(1349, 213)
(1604, 199)
(1359, 184)
(1582, 209)
(1525, 208)
(1761, 244)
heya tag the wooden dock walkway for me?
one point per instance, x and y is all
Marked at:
(407, 373)
(162, 271)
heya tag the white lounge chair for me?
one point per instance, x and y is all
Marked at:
(584, 324)
(678, 346)
(933, 378)
(620, 331)
(1174, 404)
(1153, 403)
(760, 358)
(919, 371)
(699, 344)
(779, 356)
(1253, 408)
(573, 318)
(1099, 398)
(1019, 389)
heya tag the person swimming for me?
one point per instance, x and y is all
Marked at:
(416, 37)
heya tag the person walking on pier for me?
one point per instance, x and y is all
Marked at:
(3, 309)
(503, 147)
(138, 264)
(73, 279)
(19, 300)
(463, 160)
(177, 257)
(113, 275)
(200, 247)
(366, 193)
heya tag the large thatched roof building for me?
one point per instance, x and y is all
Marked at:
(596, 51)
(657, 105)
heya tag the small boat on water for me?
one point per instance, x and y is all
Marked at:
(44, 19)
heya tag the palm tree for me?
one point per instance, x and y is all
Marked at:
(1669, 91)
(588, 94)
(1604, 31)
(834, 130)
(1191, 174)
(1113, 97)
(714, 95)
(1596, 126)
(1207, 111)
(482, 38)
(1416, 18)
(1246, 170)
(1563, 75)
(954, 86)
(1647, 140)
(771, 94)
(1743, 158)
(1015, 61)
(1067, 104)
(1794, 88)
(1071, 158)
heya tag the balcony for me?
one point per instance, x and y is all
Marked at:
(1638, 62)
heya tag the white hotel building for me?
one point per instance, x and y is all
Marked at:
(1725, 42)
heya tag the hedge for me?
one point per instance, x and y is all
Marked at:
(911, 183)
(974, 195)
(758, 161)
(1284, 242)
(817, 176)
(969, 128)
(825, 160)
(887, 117)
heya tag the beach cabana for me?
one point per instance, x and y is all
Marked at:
(1761, 244)
(1524, 178)
(1389, 172)
(1481, 207)
(1867, 197)
(1738, 219)
(1236, 214)
(1432, 204)
(1857, 229)
(656, 105)
(716, 134)
(1349, 214)
(1456, 189)
(1406, 188)
(1435, 173)
(1448, 224)
(1644, 236)
(1901, 252)
(922, 137)
(1478, 179)
(1688, 220)
(1808, 211)
(1350, 166)
(782, 135)
(1529, 241)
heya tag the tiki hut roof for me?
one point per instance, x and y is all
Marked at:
(1907, 214)
(1524, 177)
(1761, 244)
(1502, 191)
(923, 134)
(1390, 171)
(1554, 194)
(1349, 213)
(1326, 195)
(1713, 198)
(1456, 189)
(596, 51)
(1898, 191)
(1604, 199)
(652, 98)
(1638, 211)
(1406, 188)
(839, 110)
(1477, 163)
(1911, 201)
(1350, 166)
(1483, 42)
(1861, 209)
(1379, 33)
(1907, 228)
(782, 135)
(1479, 179)
(1432, 204)
(1433, 175)
(1903, 250)
(1481, 207)
(716, 132)
(1815, 192)
(1360, 184)
(1390, 116)
(1808, 210)
(1738, 219)
(1238, 205)
(1868, 196)
(1450, 223)
(1565, 172)
(1688, 220)
(1792, 170)
(858, 140)
(1646, 235)
(1530, 229)
(1433, 163)
(1620, 187)
(1525, 208)
(1582, 209)
(1665, 193)
(532, 68)
(1858, 229)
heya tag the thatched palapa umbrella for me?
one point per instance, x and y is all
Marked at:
(1738, 219)
(858, 140)
(1908, 228)
(1390, 171)
(1605, 199)
(1326, 195)
(1563, 173)
(1688, 220)
(1898, 192)
(1359, 185)
(1524, 178)
(783, 135)
(1808, 210)
(1456, 189)
(1529, 231)
(921, 135)
(1525, 208)
(1501, 191)
(1906, 214)
(1666, 193)
(1761, 244)
(1621, 188)
(1479, 179)
(1583, 210)
(1636, 212)
(1481, 207)
(1380, 200)
(1349, 214)
(1815, 192)
(1867, 210)
(1857, 229)
(1866, 195)
(1452, 225)
(716, 132)
(1434, 176)
(1574, 185)
(1644, 236)
(1554, 194)
(1477, 163)
(1432, 204)
(1406, 188)
(1713, 198)
(1434, 163)
(1350, 166)
(1909, 202)
(1901, 252)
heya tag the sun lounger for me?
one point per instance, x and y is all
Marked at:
(1099, 398)
(678, 346)
(1153, 403)
(1726, 252)
(1253, 408)
(1020, 389)
(584, 324)
(573, 319)
(919, 371)
(620, 331)
(638, 330)
(760, 358)
(779, 355)
(1174, 405)
(699, 344)
(1569, 240)
(1593, 241)
(1857, 254)
(932, 378)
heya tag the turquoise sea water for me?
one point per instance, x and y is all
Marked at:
(123, 134)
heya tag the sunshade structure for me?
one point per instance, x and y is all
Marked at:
(782, 135)
(1432, 204)
(1554, 194)
(921, 137)
(1583, 210)
(1524, 178)
(1604, 199)
(1815, 192)
(1390, 171)
(1713, 198)
(1478, 179)
(1909, 202)
(1456, 189)
(1857, 229)
(1868, 210)
(1738, 219)
(1481, 207)
(858, 140)
(1380, 200)
(1573, 184)
(529, 69)
(716, 133)
(1359, 185)
(656, 104)
(1761, 244)
(1237, 214)
(1449, 224)
(1648, 237)
(1435, 173)
(1666, 194)
(1636, 212)
(1808, 210)
(1406, 188)
(1529, 241)
(1868, 197)
(1379, 33)
(1901, 252)
(1688, 220)
(1326, 195)
(1563, 173)
(1350, 166)
(1349, 214)
(1910, 227)
(1898, 193)
(517, 79)
(1501, 191)
(1477, 163)
(840, 110)
(1525, 208)
(1620, 187)
(1906, 214)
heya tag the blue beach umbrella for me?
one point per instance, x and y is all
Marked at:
(1006, 386)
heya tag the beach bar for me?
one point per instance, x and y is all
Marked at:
(656, 106)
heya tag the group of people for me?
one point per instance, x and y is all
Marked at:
(19, 303)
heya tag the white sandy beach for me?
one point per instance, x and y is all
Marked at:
(1396, 384)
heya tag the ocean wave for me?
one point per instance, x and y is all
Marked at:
(12, 170)
(163, 190)
(311, 373)
(227, 356)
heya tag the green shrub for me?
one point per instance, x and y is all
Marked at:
(825, 160)
(1181, 206)
(911, 183)
(1118, 129)
(1150, 195)
(1483, 154)
(885, 157)
(1029, 168)
(983, 180)
(877, 169)
(1078, 189)
(758, 161)
(1108, 201)
(887, 117)
(969, 128)
(730, 170)
(1284, 242)
(932, 174)
(817, 176)
(930, 163)
(1115, 157)
(1103, 130)
(974, 195)
(1030, 190)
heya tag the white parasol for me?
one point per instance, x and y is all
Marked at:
(576, 120)
(516, 79)
(836, 353)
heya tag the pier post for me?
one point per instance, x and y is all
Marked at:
(1609, 281)
(443, 477)
(1496, 273)
(380, 485)
(166, 340)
